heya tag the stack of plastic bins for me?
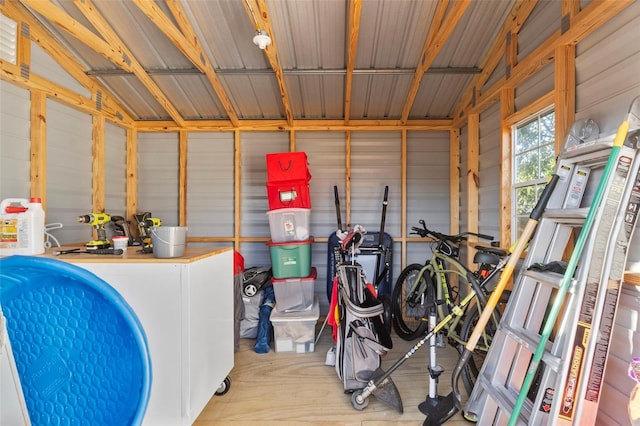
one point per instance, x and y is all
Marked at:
(290, 250)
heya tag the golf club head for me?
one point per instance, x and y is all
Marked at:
(387, 391)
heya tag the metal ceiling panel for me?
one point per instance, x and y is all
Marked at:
(254, 96)
(393, 33)
(192, 95)
(316, 97)
(226, 34)
(137, 99)
(438, 95)
(310, 34)
(310, 54)
(379, 96)
(473, 35)
(147, 43)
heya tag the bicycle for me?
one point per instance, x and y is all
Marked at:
(424, 289)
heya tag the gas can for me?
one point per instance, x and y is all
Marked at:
(21, 226)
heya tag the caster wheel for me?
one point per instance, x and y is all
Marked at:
(250, 290)
(224, 386)
(354, 401)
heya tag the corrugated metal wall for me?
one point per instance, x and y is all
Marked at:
(115, 170)
(327, 164)
(489, 156)
(15, 128)
(464, 166)
(210, 184)
(607, 80)
(158, 176)
(375, 163)
(541, 24)
(44, 65)
(69, 171)
(617, 383)
(253, 179)
(533, 88)
(428, 194)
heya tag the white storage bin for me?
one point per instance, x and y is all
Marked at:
(289, 224)
(295, 331)
(294, 294)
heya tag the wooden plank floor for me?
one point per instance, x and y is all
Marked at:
(285, 389)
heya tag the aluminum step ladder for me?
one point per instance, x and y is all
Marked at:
(564, 372)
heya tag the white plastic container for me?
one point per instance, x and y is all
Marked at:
(120, 242)
(294, 294)
(289, 224)
(21, 226)
(295, 331)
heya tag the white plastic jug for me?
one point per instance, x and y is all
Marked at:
(21, 226)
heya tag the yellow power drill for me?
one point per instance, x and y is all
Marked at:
(145, 222)
(98, 221)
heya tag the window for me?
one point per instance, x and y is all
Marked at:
(533, 164)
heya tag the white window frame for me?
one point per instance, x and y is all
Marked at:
(540, 182)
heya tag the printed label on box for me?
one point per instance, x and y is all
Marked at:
(289, 227)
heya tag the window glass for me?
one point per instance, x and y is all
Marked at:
(533, 163)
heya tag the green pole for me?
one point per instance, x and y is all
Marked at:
(571, 268)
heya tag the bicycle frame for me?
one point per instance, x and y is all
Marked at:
(435, 268)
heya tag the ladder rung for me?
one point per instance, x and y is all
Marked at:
(551, 278)
(569, 216)
(529, 340)
(505, 398)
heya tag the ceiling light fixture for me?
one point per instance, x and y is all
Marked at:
(261, 39)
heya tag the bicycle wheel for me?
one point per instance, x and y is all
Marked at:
(409, 315)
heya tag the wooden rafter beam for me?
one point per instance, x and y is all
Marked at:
(119, 55)
(112, 109)
(308, 125)
(508, 31)
(440, 30)
(109, 34)
(355, 7)
(257, 11)
(592, 17)
(187, 41)
(10, 72)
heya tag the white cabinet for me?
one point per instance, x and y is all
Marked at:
(186, 308)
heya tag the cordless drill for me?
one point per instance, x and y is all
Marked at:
(145, 222)
(121, 228)
(98, 221)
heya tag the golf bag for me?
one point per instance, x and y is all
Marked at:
(361, 336)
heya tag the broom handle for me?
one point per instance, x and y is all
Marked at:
(571, 268)
(530, 227)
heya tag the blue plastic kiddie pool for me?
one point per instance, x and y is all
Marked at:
(80, 351)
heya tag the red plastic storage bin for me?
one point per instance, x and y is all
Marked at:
(289, 194)
(287, 166)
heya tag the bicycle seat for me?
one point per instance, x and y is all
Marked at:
(488, 255)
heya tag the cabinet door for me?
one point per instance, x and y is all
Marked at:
(210, 327)
(154, 291)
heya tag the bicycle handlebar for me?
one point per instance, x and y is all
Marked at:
(425, 232)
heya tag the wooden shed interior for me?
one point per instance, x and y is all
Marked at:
(359, 85)
(169, 106)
